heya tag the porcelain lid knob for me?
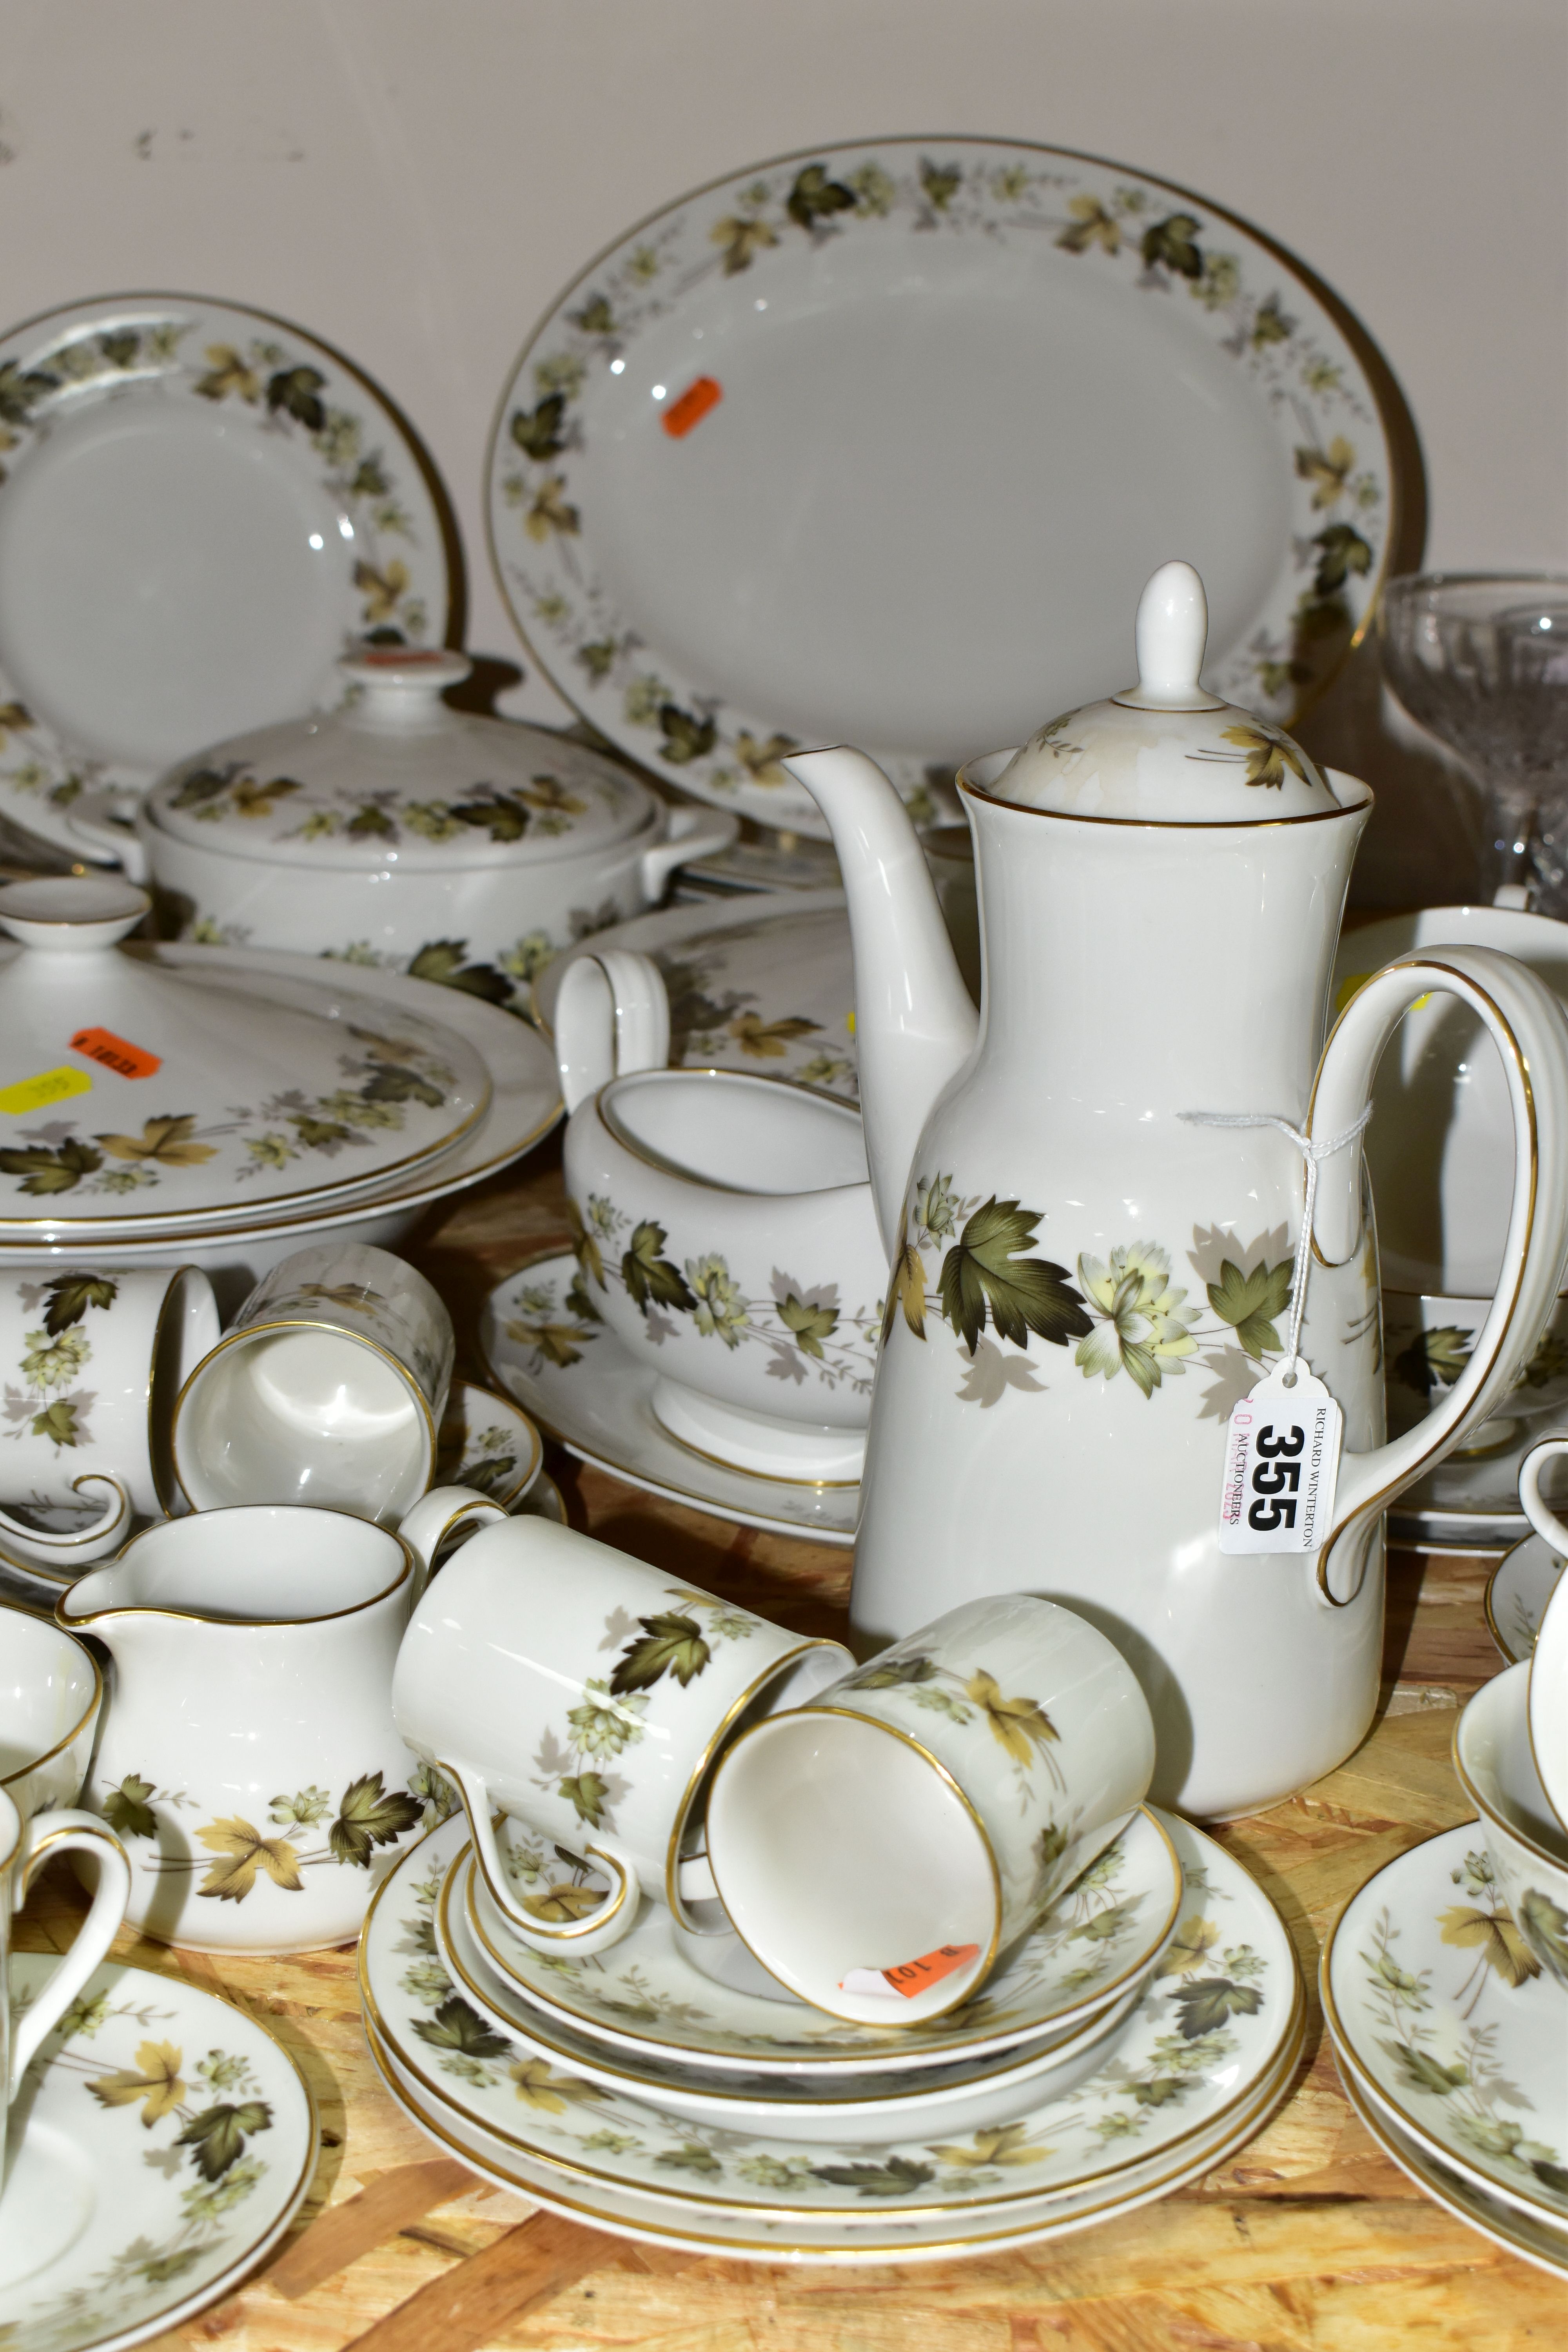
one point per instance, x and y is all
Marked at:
(1171, 633)
(400, 686)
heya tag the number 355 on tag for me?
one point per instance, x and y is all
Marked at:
(1281, 1466)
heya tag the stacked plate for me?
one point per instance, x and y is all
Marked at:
(1139, 2036)
(1452, 2042)
(218, 1105)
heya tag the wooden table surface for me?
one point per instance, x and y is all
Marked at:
(1309, 2239)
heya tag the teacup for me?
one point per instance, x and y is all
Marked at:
(24, 1846)
(249, 1758)
(329, 1389)
(96, 1361)
(1548, 1663)
(1427, 1341)
(586, 1695)
(51, 1695)
(880, 1844)
(1527, 1844)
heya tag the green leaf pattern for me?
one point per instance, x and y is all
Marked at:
(1443, 2060)
(970, 1260)
(805, 1330)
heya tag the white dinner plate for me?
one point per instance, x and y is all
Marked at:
(201, 508)
(1211, 2042)
(764, 985)
(877, 443)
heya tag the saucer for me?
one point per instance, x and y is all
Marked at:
(545, 1345)
(1526, 2234)
(487, 1443)
(945, 2101)
(1438, 2008)
(859, 2107)
(643, 2000)
(1518, 1591)
(744, 2235)
(1210, 2037)
(168, 2143)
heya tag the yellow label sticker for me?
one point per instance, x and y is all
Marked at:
(1354, 982)
(49, 1086)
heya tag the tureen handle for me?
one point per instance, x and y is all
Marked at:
(98, 827)
(692, 833)
(1526, 1024)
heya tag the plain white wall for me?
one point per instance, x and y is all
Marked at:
(413, 180)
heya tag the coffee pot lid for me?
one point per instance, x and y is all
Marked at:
(1165, 750)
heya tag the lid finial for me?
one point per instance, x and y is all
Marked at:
(1170, 634)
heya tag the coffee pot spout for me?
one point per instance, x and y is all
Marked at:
(915, 1025)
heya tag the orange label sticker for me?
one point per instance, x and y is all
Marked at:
(913, 1977)
(49, 1086)
(692, 407)
(115, 1054)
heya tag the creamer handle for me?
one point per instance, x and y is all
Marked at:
(612, 1015)
(1526, 1022)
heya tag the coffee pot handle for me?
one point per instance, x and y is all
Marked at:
(1526, 1022)
(595, 1930)
(612, 1015)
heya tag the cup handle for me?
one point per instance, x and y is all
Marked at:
(1527, 1025)
(80, 1544)
(612, 1015)
(65, 1832)
(579, 1938)
(1532, 1501)
(434, 1518)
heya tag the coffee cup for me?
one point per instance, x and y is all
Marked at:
(1428, 1342)
(24, 1846)
(879, 1845)
(94, 1361)
(329, 1389)
(1526, 1842)
(586, 1695)
(51, 1696)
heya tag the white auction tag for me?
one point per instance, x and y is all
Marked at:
(1281, 1466)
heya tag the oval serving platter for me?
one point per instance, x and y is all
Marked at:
(877, 444)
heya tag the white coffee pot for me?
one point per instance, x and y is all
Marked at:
(1084, 1280)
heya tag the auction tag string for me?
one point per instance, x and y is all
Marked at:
(1282, 1441)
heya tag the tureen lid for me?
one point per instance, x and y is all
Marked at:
(1165, 750)
(132, 1094)
(396, 778)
